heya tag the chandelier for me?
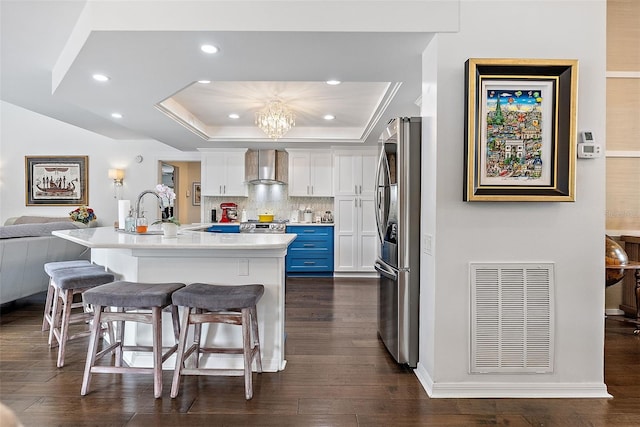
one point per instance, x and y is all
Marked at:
(275, 120)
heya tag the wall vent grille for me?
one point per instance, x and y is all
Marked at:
(512, 317)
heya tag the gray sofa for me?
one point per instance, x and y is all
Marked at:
(26, 244)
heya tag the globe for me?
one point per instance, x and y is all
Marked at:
(614, 255)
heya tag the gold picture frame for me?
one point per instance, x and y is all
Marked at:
(520, 130)
(196, 194)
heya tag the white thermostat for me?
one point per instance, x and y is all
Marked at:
(588, 148)
(587, 137)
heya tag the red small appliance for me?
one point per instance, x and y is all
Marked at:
(229, 212)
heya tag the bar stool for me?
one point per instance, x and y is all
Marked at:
(69, 282)
(49, 268)
(204, 303)
(130, 296)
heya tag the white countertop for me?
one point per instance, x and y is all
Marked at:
(107, 237)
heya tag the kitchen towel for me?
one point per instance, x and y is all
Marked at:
(123, 210)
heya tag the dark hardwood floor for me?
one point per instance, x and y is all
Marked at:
(338, 374)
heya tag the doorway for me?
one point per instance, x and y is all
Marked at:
(169, 177)
(183, 177)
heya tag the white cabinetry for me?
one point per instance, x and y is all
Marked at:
(310, 173)
(356, 239)
(223, 173)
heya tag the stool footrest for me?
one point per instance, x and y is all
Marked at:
(217, 317)
(109, 316)
(120, 370)
(107, 350)
(222, 350)
(213, 372)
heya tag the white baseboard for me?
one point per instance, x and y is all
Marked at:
(613, 312)
(509, 390)
(355, 274)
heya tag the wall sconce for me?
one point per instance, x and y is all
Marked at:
(117, 175)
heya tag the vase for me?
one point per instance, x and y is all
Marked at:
(169, 229)
(167, 212)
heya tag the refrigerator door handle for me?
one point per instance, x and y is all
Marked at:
(378, 202)
(386, 271)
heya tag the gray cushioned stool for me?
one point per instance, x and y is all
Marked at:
(49, 268)
(69, 282)
(229, 304)
(130, 296)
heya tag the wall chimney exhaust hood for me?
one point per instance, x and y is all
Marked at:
(266, 167)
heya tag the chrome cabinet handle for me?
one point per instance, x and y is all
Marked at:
(309, 245)
(309, 262)
(360, 188)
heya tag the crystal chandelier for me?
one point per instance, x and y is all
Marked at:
(275, 120)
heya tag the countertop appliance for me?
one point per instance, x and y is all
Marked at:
(274, 227)
(397, 207)
(229, 212)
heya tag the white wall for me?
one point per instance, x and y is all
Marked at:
(569, 234)
(24, 133)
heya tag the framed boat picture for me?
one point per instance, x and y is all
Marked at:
(56, 181)
(520, 130)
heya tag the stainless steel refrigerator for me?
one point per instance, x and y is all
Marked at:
(398, 220)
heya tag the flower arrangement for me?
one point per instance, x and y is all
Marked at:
(167, 195)
(83, 214)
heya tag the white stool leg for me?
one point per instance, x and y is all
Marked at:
(92, 350)
(156, 324)
(47, 318)
(55, 315)
(256, 338)
(246, 344)
(184, 331)
(67, 300)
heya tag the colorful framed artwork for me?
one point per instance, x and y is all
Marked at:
(56, 181)
(196, 194)
(520, 130)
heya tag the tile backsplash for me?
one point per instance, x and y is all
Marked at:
(274, 198)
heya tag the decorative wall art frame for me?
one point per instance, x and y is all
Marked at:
(520, 130)
(196, 194)
(56, 181)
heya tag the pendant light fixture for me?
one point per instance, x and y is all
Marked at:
(275, 119)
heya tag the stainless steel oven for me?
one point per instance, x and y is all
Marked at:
(275, 227)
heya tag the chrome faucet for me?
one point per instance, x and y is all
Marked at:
(141, 195)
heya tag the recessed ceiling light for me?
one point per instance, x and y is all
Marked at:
(333, 82)
(100, 77)
(329, 117)
(204, 82)
(209, 48)
(234, 116)
(116, 115)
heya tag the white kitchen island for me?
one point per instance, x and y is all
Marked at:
(194, 256)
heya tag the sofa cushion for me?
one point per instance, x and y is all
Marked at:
(30, 219)
(34, 230)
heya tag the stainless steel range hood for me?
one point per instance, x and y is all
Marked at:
(266, 167)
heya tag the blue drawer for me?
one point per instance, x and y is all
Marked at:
(224, 229)
(312, 251)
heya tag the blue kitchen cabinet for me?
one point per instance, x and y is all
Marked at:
(224, 229)
(311, 253)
